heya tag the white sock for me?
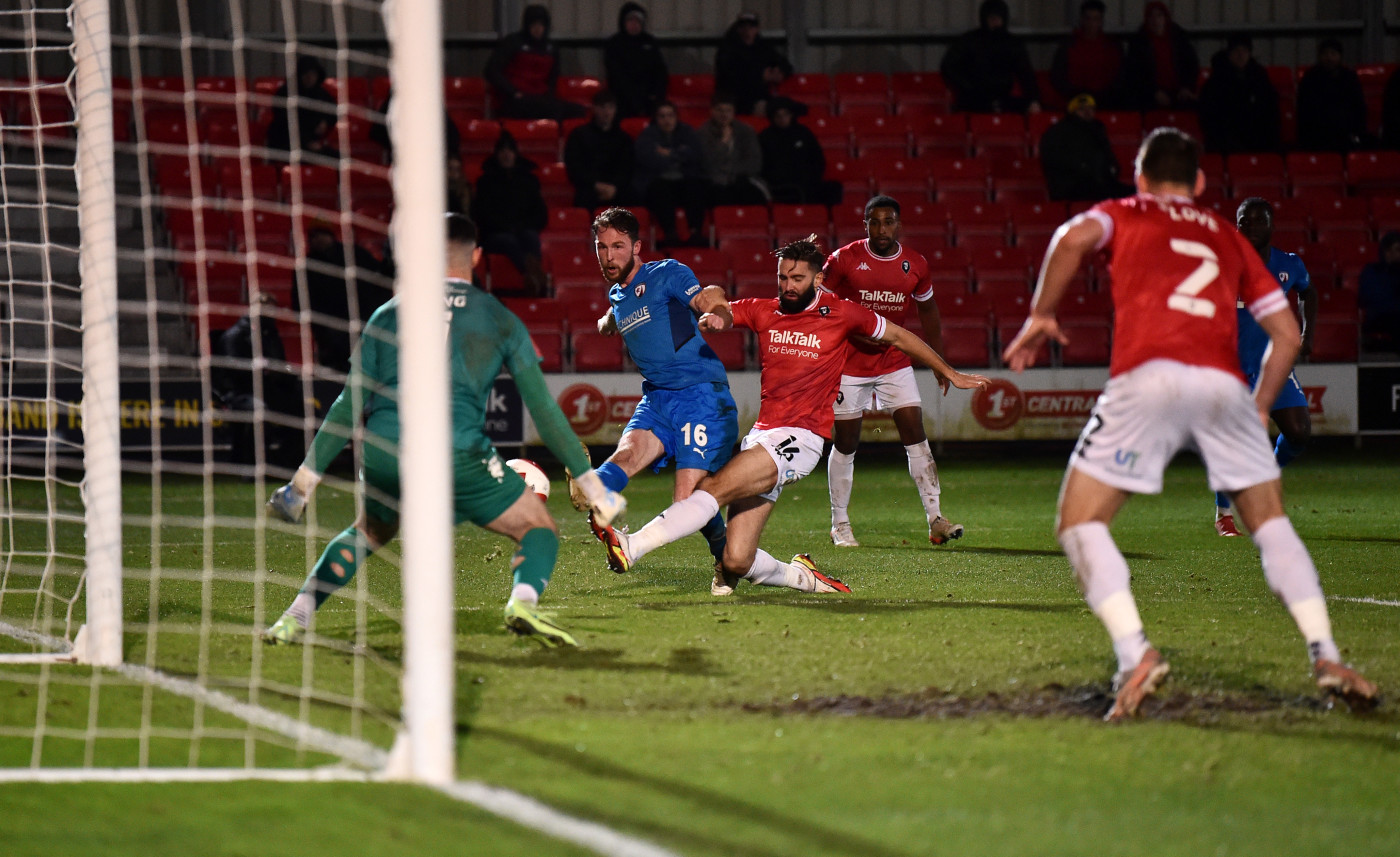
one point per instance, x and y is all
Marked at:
(302, 608)
(925, 473)
(840, 475)
(526, 593)
(682, 518)
(767, 571)
(1103, 578)
(1293, 578)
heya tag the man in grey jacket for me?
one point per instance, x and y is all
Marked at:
(668, 174)
(732, 157)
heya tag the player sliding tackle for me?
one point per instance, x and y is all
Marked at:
(804, 338)
(483, 336)
(1174, 383)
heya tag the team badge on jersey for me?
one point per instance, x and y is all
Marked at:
(640, 290)
(1283, 277)
(905, 266)
(824, 311)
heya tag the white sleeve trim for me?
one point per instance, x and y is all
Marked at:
(925, 294)
(1104, 220)
(1269, 304)
(879, 327)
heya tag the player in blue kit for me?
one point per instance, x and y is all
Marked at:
(687, 414)
(1255, 220)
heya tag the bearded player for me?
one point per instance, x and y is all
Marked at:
(804, 342)
(881, 274)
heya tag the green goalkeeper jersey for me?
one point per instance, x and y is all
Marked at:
(483, 336)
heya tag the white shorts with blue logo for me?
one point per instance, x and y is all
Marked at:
(796, 451)
(1147, 415)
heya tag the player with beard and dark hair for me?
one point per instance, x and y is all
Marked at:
(687, 414)
(804, 338)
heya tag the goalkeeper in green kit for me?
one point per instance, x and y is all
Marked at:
(483, 336)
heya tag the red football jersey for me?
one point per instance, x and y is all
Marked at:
(883, 286)
(1178, 270)
(802, 355)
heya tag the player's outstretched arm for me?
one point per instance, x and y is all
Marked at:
(1072, 242)
(919, 350)
(713, 310)
(931, 320)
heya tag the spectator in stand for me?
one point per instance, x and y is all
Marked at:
(748, 67)
(983, 66)
(793, 162)
(336, 275)
(1089, 61)
(459, 190)
(509, 211)
(233, 384)
(379, 133)
(598, 157)
(669, 174)
(1390, 112)
(523, 72)
(315, 112)
(1379, 296)
(1331, 105)
(1239, 105)
(1161, 66)
(1077, 158)
(731, 156)
(633, 63)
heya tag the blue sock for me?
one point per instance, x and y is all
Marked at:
(614, 477)
(1284, 451)
(715, 533)
(1221, 501)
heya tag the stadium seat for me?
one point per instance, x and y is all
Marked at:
(903, 178)
(793, 222)
(942, 135)
(812, 88)
(1090, 342)
(1289, 240)
(711, 267)
(1373, 173)
(578, 268)
(1036, 126)
(1017, 180)
(1124, 126)
(312, 184)
(177, 177)
(881, 137)
(582, 310)
(245, 180)
(1335, 341)
(997, 131)
(1034, 223)
(691, 90)
(351, 90)
(1259, 174)
(579, 89)
(959, 179)
(950, 266)
(478, 135)
(1337, 304)
(549, 345)
(981, 224)
(919, 92)
(967, 342)
(749, 255)
(213, 225)
(853, 174)
(538, 139)
(594, 352)
(1084, 305)
(731, 347)
(1183, 120)
(502, 277)
(740, 221)
(1340, 212)
(1315, 173)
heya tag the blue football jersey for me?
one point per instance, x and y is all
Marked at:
(1292, 276)
(654, 317)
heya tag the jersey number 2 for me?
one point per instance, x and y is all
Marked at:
(1184, 298)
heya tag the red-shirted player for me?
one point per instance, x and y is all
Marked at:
(804, 338)
(1175, 383)
(881, 274)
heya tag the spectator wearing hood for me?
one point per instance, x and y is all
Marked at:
(748, 67)
(1331, 105)
(1239, 105)
(1077, 158)
(732, 158)
(598, 156)
(509, 211)
(669, 173)
(523, 72)
(1089, 61)
(315, 112)
(983, 66)
(793, 161)
(632, 61)
(1379, 295)
(1161, 66)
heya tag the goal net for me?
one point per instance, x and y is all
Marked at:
(198, 215)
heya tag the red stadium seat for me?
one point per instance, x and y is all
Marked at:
(351, 90)
(1090, 343)
(1036, 126)
(903, 178)
(740, 221)
(1310, 172)
(1180, 119)
(549, 345)
(792, 222)
(478, 135)
(579, 268)
(1335, 341)
(982, 224)
(711, 267)
(312, 185)
(691, 90)
(538, 139)
(579, 90)
(962, 179)
(1337, 304)
(245, 180)
(1124, 127)
(594, 352)
(881, 137)
(1373, 173)
(583, 310)
(967, 343)
(993, 131)
(853, 175)
(941, 135)
(1259, 174)
(1340, 212)
(539, 313)
(809, 88)
(1018, 180)
(919, 92)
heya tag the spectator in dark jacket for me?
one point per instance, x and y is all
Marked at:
(598, 157)
(793, 162)
(1089, 61)
(984, 65)
(1379, 296)
(315, 112)
(509, 211)
(633, 63)
(1390, 112)
(1161, 67)
(669, 174)
(379, 133)
(523, 72)
(1239, 105)
(1331, 105)
(233, 381)
(731, 156)
(748, 67)
(331, 286)
(1077, 158)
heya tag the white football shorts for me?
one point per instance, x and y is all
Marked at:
(888, 392)
(1148, 414)
(796, 451)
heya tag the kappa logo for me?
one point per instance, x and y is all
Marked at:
(862, 267)
(640, 290)
(905, 266)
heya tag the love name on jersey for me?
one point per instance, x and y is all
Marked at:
(795, 342)
(1189, 215)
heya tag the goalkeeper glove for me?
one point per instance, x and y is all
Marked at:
(607, 505)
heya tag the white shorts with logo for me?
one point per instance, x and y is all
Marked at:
(1148, 414)
(888, 392)
(796, 451)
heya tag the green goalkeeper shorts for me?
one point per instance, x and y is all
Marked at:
(483, 487)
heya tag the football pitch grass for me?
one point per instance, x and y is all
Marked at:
(949, 705)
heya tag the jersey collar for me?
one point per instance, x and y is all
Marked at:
(898, 249)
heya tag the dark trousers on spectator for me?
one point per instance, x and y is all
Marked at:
(664, 196)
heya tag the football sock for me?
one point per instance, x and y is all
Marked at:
(682, 518)
(614, 478)
(767, 571)
(534, 559)
(526, 593)
(1222, 504)
(336, 567)
(1293, 578)
(1284, 451)
(1103, 578)
(840, 474)
(716, 534)
(925, 473)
